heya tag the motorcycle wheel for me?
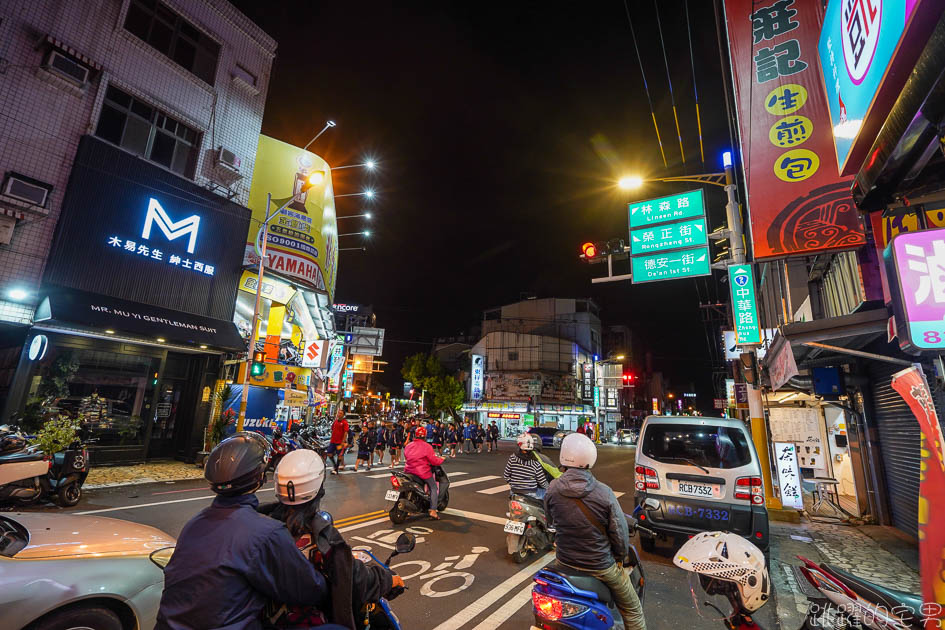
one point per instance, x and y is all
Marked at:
(443, 502)
(521, 555)
(647, 543)
(69, 494)
(397, 515)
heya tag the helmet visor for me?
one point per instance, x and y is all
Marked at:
(710, 597)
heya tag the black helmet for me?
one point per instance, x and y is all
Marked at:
(238, 464)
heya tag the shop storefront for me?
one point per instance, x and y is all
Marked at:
(513, 417)
(136, 309)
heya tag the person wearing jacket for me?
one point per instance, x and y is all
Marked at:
(592, 532)
(398, 438)
(230, 561)
(299, 486)
(367, 442)
(523, 471)
(420, 460)
(468, 437)
(383, 439)
(493, 433)
(453, 437)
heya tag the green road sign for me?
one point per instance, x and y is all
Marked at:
(673, 208)
(744, 307)
(683, 263)
(658, 238)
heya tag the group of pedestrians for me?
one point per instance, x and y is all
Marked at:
(374, 439)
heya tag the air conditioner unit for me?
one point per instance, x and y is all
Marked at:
(24, 190)
(227, 158)
(67, 68)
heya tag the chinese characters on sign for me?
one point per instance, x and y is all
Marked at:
(744, 308)
(159, 255)
(797, 205)
(675, 227)
(475, 388)
(915, 263)
(789, 479)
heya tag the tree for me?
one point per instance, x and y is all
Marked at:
(448, 395)
(444, 393)
(421, 369)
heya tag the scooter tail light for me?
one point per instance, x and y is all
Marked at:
(516, 508)
(395, 482)
(552, 608)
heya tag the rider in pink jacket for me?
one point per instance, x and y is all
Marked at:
(420, 459)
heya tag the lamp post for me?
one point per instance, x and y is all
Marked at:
(365, 193)
(366, 215)
(314, 178)
(364, 232)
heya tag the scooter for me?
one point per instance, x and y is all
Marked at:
(837, 598)
(527, 529)
(564, 598)
(410, 496)
(378, 615)
(27, 475)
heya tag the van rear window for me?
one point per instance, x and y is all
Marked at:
(704, 445)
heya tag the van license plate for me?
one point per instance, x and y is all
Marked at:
(514, 527)
(392, 495)
(695, 489)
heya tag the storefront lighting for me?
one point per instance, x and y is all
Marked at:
(161, 340)
(109, 331)
(203, 347)
(17, 294)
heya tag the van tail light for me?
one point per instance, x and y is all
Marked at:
(646, 479)
(750, 489)
(395, 482)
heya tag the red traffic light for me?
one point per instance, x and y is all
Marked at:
(589, 250)
(627, 378)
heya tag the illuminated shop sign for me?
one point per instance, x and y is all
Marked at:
(504, 416)
(172, 230)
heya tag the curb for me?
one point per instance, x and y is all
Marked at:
(136, 482)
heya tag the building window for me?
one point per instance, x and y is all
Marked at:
(140, 128)
(513, 356)
(173, 36)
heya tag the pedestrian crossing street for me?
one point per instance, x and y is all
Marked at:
(453, 474)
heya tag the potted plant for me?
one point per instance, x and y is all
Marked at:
(57, 434)
(216, 429)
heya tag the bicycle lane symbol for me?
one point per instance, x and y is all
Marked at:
(441, 575)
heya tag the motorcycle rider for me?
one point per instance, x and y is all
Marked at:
(230, 560)
(523, 471)
(420, 459)
(299, 485)
(592, 532)
(551, 471)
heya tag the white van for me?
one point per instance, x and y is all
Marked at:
(703, 474)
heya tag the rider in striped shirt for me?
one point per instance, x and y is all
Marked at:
(523, 471)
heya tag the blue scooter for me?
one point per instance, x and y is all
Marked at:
(378, 615)
(565, 598)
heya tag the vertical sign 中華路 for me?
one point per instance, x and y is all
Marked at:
(789, 478)
(475, 387)
(744, 308)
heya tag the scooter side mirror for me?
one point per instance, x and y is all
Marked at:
(405, 543)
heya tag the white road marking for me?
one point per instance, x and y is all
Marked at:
(142, 505)
(487, 518)
(387, 474)
(495, 490)
(466, 482)
(507, 609)
(486, 600)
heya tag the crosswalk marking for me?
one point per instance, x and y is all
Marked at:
(387, 474)
(495, 490)
(466, 482)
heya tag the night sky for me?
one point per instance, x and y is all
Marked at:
(500, 129)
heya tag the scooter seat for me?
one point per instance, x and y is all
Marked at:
(583, 581)
(21, 456)
(414, 478)
(906, 605)
(527, 498)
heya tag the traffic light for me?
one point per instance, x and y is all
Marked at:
(259, 364)
(154, 381)
(589, 250)
(627, 379)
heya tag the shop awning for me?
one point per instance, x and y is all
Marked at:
(852, 331)
(70, 308)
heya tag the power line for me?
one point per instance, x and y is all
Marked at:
(645, 86)
(669, 80)
(692, 61)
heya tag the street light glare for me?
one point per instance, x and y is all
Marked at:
(369, 165)
(330, 123)
(367, 215)
(316, 177)
(630, 182)
(367, 232)
(369, 194)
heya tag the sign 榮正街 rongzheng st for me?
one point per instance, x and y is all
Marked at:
(303, 242)
(867, 52)
(668, 237)
(134, 231)
(797, 202)
(915, 267)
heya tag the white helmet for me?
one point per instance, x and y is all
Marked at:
(731, 558)
(577, 451)
(525, 442)
(299, 477)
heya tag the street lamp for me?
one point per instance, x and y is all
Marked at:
(366, 215)
(629, 182)
(315, 178)
(328, 125)
(365, 233)
(369, 165)
(366, 193)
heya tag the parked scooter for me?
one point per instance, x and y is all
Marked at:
(410, 495)
(563, 597)
(378, 615)
(28, 476)
(838, 599)
(527, 529)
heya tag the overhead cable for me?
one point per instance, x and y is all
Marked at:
(669, 80)
(645, 86)
(695, 90)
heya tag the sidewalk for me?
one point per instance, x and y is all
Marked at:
(159, 470)
(879, 554)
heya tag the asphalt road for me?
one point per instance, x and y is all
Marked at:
(459, 576)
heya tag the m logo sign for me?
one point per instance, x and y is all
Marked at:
(172, 230)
